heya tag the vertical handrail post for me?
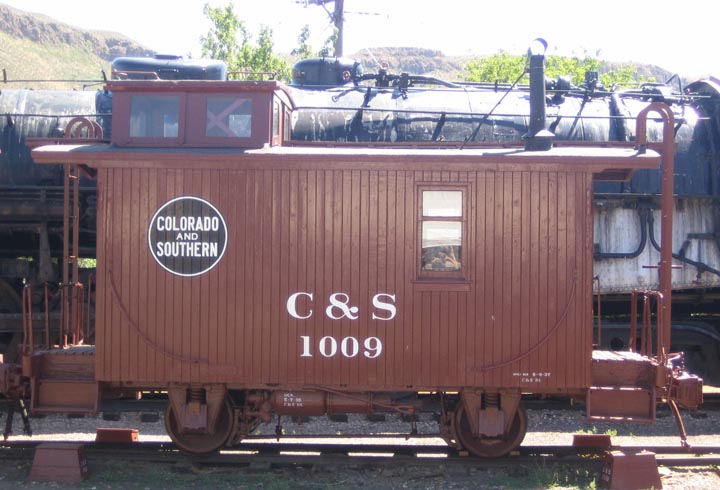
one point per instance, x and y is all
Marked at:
(646, 326)
(47, 317)
(90, 325)
(667, 208)
(28, 341)
(596, 279)
(633, 321)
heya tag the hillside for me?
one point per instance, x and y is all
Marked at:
(35, 47)
(435, 63)
(414, 60)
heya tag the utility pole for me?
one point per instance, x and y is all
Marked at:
(336, 18)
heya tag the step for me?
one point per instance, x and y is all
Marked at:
(76, 362)
(621, 404)
(63, 396)
(623, 368)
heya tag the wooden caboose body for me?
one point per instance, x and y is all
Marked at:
(248, 275)
(321, 281)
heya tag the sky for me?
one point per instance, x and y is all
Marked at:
(639, 31)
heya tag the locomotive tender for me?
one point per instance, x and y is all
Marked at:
(248, 274)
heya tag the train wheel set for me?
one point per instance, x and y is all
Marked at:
(229, 430)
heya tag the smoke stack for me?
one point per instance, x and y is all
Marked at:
(538, 138)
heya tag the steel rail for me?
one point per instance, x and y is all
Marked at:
(319, 453)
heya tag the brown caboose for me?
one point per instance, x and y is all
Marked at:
(247, 275)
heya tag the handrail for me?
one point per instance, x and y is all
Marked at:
(646, 347)
(72, 317)
(79, 123)
(667, 203)
(90, 330)
(70, 326)
(27, 345)
(596, 279)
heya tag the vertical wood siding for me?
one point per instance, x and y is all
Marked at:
(521, 319)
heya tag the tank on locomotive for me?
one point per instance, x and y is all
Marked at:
(31, 196)
(382, 107)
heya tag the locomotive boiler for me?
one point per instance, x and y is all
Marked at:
(249, 273)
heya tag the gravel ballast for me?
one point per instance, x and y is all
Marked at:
(545, 427)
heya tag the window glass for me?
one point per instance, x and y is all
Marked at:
(442, 203)
(228, 117)
(286, 126)
(154, 116)
(441, 245)
(276, 119)
(441, 232)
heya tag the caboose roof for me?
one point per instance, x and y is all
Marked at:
(606, 163)
(195, 86)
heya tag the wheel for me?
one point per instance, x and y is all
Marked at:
(490, 447)
(199, 443)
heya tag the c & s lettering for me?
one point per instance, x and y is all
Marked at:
(339, 305)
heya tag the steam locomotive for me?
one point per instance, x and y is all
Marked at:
(337, 101)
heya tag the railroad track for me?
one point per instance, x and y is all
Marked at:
(264, 453)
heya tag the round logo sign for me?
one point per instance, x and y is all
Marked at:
(187, 236)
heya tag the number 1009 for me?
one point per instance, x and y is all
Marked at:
(348, 347)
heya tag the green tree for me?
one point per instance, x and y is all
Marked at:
(501, 67)
(575, 67)
(624, 75)
(506, 68)
(305, 50)
(226, 36)
(330, 43)
(229, 40)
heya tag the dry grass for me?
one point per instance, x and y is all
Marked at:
(23, 59)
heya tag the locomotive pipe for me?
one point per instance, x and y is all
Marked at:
(643, 213)
(537, 138)
(700, 266)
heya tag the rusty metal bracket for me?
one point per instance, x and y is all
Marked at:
(196, 407)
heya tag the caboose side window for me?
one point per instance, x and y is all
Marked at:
(154, 116)
(228, 117)
(276, 119)
(441, 233)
